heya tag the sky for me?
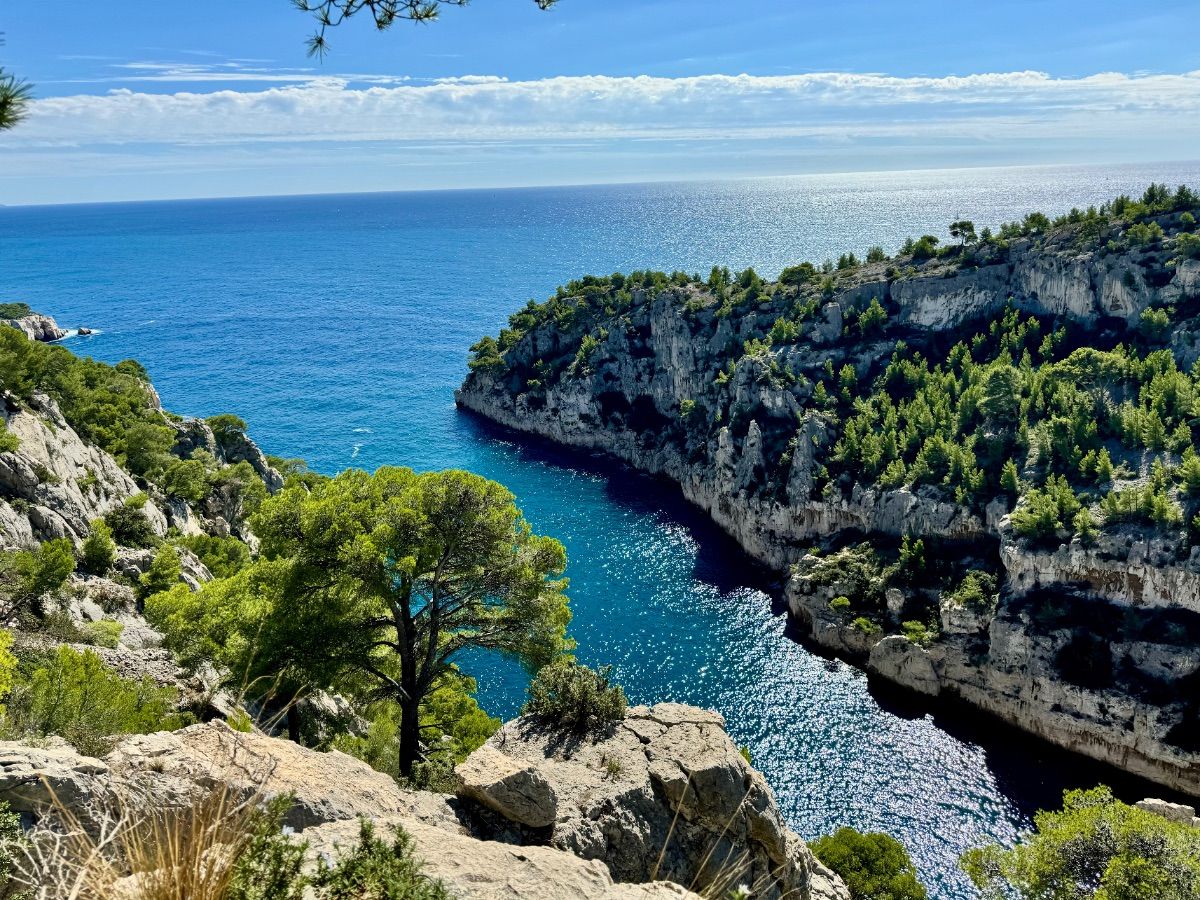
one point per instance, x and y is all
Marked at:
(150, 99)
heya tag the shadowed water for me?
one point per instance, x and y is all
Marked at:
(338, 327)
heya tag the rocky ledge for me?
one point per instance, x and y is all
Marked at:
(1089, 641)
(659, 806)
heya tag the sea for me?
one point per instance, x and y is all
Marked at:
(338, 327)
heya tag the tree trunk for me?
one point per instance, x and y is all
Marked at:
(293, 723)
(410, 734)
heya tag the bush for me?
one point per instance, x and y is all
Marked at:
(574, 697)
(185, 479)
(865, 625)
(227, 429)
(14, 310)
(74, 695)
(163, 573)
(104, 633)
(376, 870)
(129, 524)
(1095, 847)
(874, 866)
(99, 550)
(223, 556)
(12, 837)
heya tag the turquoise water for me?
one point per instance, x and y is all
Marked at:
(338, 327)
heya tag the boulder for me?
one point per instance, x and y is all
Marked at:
(663, 794)
(518, 792)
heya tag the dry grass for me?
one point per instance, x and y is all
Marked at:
(126, 849)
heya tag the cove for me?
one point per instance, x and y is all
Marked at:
(338, 327)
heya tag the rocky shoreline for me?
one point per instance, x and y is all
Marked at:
(649, 366)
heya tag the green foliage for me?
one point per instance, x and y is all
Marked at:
(377, 870)
(486, 356)
(1095, 847)
(270, 867)
(1010, 481)
(918, 632)
(574, 697)
(164, 572)
(1154, 324)
(73, 694)
(874, 866)
(840, 603)
(872, 319)
(1148, 503)
(866, 626)
(223, 556)
(374, 584)
(1144, 233)
(8, 441)
(14, 310)
(129, 524)
(47, 568)
(12, 845)
(963, 230)
(186, 479)
(99, 551)
(977, 591)
(798, 275)
(923, 248)
(1046, 510)
(687, 406)
(104, 633)
(228, 430)
(876, 254)
(8, 667)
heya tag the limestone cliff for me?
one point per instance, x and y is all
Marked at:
(740, 391)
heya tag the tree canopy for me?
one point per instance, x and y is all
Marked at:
(376, 584)
(1095, 848)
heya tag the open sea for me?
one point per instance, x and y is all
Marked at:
(338, 327)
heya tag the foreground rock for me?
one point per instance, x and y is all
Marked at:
(607, 806)
(38, 327)
(664, 793)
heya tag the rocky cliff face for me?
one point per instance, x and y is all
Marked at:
(730, 404)
(538, 815)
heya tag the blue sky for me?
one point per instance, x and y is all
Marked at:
(152, 98)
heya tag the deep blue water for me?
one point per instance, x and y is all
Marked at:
(338, 327)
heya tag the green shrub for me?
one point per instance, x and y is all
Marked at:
(223, 556)
(164, 572)
(129, 524)
(104, 633)
(8, 441)
(1094, 847)
(377, 870)
(866, 626)
(74, 695)
(185, 479)
(872, 319)
(839, 604)
(874, 866)
(918, 632)
(99, 550)
(227, 429)
(574, 697)
(12, 839)
(14, 310)
(270, 867)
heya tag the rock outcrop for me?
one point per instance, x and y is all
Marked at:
(667, 776)
(664, 793)
(37, 327)
(678, 382)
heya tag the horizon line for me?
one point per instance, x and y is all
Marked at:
(700, 179)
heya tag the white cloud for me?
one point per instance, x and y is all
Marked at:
(488, 108)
